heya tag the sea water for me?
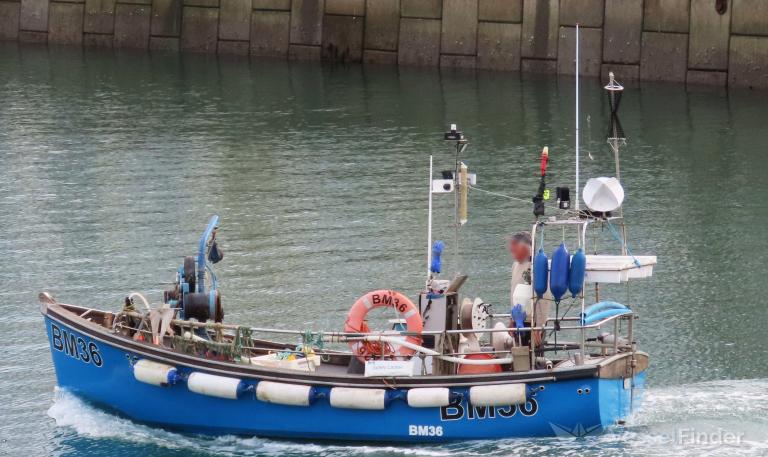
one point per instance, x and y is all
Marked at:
(111, 163)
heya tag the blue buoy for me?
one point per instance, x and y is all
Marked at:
(578, 270)
(558, 272)
(540, 273)
(437, 251)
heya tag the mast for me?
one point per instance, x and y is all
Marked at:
(577, 118)
(616, 139)
(456, 225)
(461, 144)
(581, 242)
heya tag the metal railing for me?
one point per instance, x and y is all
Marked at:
(393, 336)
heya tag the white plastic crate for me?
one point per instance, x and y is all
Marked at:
(298, 364)
(617, 268)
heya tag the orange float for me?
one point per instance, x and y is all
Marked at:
(355, 323)
(479, 369)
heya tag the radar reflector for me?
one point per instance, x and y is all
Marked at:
(603, 194)
(614, 91)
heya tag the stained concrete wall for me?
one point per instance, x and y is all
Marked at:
(694, 41)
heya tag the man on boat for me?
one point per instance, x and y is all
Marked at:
(520, 248)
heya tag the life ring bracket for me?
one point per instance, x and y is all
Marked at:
(382, 299)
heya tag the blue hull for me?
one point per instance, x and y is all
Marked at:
(102, 373)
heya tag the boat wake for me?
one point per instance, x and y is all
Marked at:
(710, 418)
(87, 421)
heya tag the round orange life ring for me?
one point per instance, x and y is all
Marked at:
(378, 299)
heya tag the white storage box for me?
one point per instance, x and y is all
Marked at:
(618, 268)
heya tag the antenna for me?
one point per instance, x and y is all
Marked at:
(577, 118)
(429, 223)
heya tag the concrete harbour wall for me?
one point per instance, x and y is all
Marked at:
(714, 42)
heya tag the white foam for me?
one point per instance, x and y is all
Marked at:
(71, 412)
(720, 399)
(670, 414)
(732, 406)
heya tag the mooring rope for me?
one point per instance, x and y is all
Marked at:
(623, 242)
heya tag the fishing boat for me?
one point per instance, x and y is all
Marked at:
(446, 368)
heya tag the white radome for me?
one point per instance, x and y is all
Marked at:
(603, 194)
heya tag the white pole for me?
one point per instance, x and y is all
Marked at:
(583, 332)
(577, 117)
(429, 221)
(456, 209)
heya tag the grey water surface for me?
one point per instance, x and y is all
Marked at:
(111, 164)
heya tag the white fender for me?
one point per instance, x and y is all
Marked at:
(498, 395)
(154, 373)
(214, 386)
(353, 398)
(429, 397)
(283, 394)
